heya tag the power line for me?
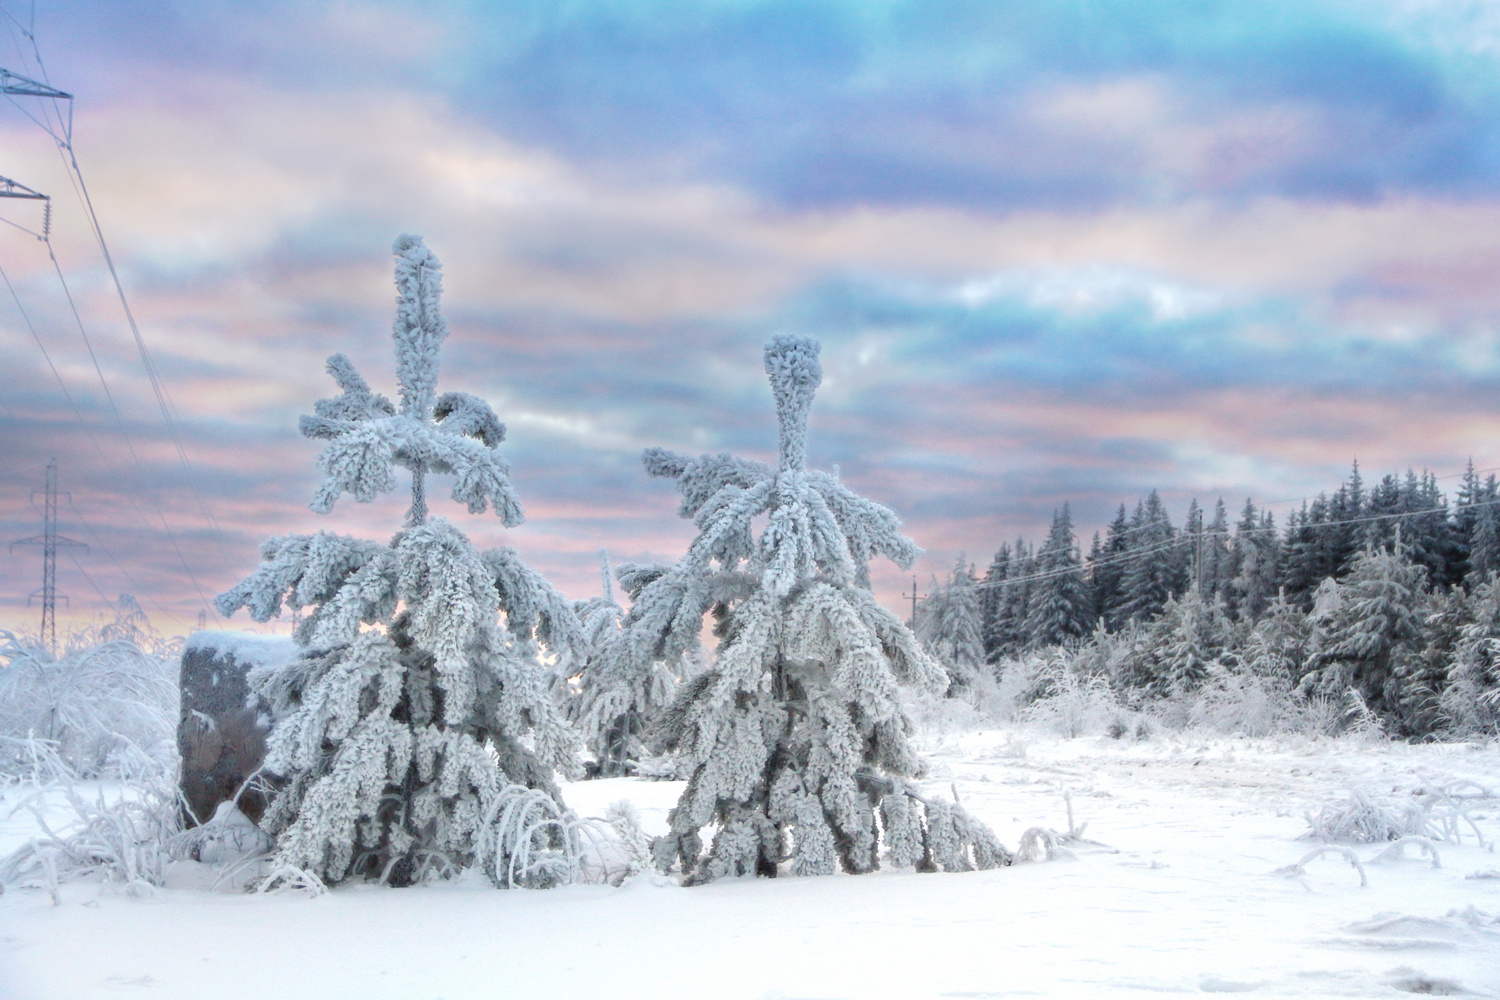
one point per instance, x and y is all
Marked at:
(115, 411)
(99, 540)
(62, 138)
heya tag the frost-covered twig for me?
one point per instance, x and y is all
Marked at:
(1300, 868)
(290, 878)
(1397, 850)
(530, 841)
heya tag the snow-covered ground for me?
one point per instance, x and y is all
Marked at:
(1185, 898)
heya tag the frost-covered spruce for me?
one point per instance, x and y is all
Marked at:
(793, 741)
(411, 706)
(624, 686)
(949, 625)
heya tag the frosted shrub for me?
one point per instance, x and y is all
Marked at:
(793, 738)
(125, 840)
(978, 704)
(412, 711)
(107, 706)
(1238, 701)
(1070, 704)
(1434, 813)
(531, 841)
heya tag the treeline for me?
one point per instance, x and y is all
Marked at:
(1383, 595)
(1039, 596)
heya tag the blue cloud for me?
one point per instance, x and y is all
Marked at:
(1130, 339)
(915, 103)
(863, 101)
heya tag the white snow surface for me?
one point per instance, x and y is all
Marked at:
(250, 649)
(1186, 898)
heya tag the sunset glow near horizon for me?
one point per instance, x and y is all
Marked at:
(1053, 253)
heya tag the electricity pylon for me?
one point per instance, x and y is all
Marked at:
(49, 540)
(23, 86)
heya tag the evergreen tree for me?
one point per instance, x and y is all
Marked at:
(1060, 609)
(1252, 564)
(1443, 614)
(396, 741)
(1343, 538)
(948, 624)
(1484, 550)
(793, 738)
(1466, 509)
(990, 593)
(1191, 635)
(1470, 702)
(624, 685)
(1007, 634)
(1302, 561)
(1107, 573)
(1279, 643)
(1372, 637)
(1216, 558)
(1153, 570)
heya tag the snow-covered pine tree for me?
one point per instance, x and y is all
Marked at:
(1371, 638)
(1107, 572)
(1479, 524)
(1005, 633)
(411, 706)
(990, 593)
(949, 625)
(1153, 568)
(1215, 554)
(1470, 702)
(1444, 614)
(1061, 610)
(1278, 644)
(627, 680)
(793, 738)
(1252, 583)
(1192, 634)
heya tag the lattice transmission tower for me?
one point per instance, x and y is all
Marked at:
(50, 541)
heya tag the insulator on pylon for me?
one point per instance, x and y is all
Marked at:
(47, 219)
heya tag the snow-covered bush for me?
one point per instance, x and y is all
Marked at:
(412, 711)
(1071, 703)
(124, 839)
(1433, 813)
(1241, 701)
(793, 737)
(105, 706)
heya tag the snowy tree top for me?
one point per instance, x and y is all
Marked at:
(817, 527)
(419, 329)
(792, 363)
(453, 433)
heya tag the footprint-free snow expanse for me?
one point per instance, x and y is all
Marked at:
(1185, 898)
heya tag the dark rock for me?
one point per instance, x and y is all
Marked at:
(222, 729)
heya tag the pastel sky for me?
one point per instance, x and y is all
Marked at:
(1053, 251)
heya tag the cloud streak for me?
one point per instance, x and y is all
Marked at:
(1054, 252)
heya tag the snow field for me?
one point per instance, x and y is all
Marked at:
(1186, 898)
